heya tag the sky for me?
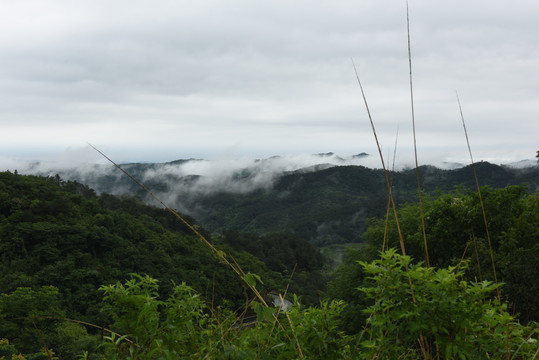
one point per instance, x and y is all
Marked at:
(155, 81)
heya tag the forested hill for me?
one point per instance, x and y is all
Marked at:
(59, 242)
(332, 205)
(324, 204)
(61, 233)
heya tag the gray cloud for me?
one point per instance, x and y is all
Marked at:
(177, 79)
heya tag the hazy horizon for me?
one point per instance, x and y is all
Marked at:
(75, 158)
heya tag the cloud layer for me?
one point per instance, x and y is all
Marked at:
(176, 79)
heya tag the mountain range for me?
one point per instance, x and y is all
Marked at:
(323, 198)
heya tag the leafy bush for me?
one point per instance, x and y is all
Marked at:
(181, 327)
(150, 327)
(433, 313)
(455, 228)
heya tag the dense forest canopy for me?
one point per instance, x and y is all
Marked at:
(456, 234)
(68, 253)
(62, 234)
(325, 205)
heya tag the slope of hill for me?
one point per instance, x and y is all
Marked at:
(332, 205)
(324, 203)
(61, 233)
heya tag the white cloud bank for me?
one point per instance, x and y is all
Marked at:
(157, 81)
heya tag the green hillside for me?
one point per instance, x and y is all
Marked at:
(145, 288)
(323, 205)
(332, 205)
(61, 233)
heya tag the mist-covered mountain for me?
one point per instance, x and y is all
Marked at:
(324, 198)
(195, 176)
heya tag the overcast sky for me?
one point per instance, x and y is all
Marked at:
(165, 80)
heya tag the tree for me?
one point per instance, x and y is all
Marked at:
(455, 229)
(30, 323)
(62, 234)
(431, 313)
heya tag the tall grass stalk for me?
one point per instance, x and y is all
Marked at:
(426, 350)
(248, 279)
(219, 254)
(102, 328)
(421, 339)
(389, 191)
(415, 142)
(293, 329)
(422, 342)
(282, 302)
(388, 206)
(480, 197)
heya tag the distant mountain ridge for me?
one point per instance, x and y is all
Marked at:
(332, 205)
(321, 201)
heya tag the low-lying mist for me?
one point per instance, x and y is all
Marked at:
(189, 176)
(179, 183)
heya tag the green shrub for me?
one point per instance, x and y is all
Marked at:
(424, 312)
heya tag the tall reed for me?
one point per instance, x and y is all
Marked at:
(248, 279)
(426, 348)
(480, 197)
(415, 141)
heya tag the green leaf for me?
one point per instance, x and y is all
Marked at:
(251, 279)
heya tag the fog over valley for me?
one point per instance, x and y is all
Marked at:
(324, 197)
(203, 176)
(187, 177)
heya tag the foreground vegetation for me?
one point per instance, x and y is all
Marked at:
(417, 311)
(101, 277)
